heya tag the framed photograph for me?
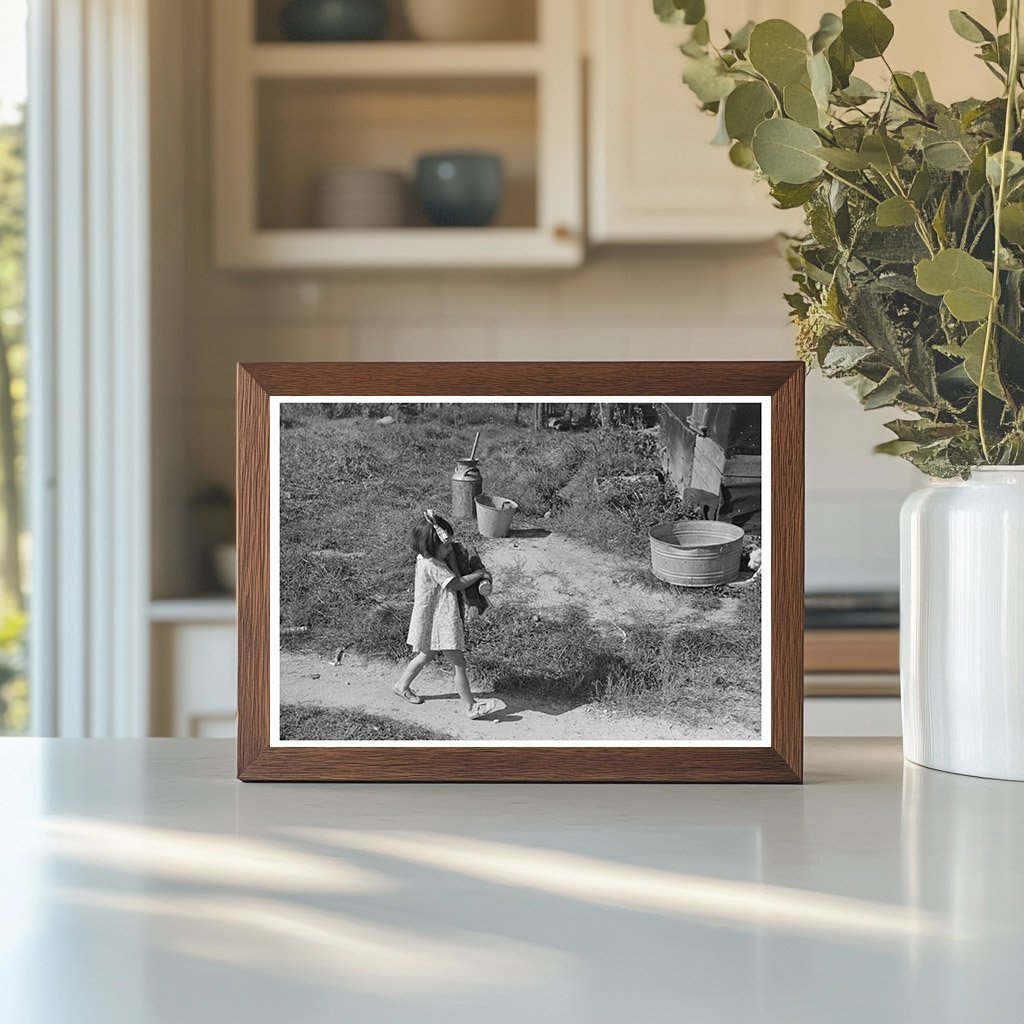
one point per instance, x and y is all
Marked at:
(517, 572)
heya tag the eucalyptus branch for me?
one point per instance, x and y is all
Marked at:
(771, 89)
(969, 217)
(1000, 198)
(923, 227)
(981, 231)
(853, 185)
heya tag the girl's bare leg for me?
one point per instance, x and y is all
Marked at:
(419, 662)
(458, 659)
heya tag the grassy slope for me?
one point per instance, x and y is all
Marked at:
(353, 486)
(315, 722)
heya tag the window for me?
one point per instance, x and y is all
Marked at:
(14, 704)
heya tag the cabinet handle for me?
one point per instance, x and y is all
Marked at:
(563, 232)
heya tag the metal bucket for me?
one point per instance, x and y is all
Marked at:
(494, 515)
(696, 554)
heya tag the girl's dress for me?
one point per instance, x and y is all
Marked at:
(436, 623)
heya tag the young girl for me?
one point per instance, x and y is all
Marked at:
(436, 624)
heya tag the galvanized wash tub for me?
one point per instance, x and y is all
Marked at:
(696, 554)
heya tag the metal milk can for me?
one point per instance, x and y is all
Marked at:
(467, 483)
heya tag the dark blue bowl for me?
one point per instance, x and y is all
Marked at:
(461, 190)
(332, 21)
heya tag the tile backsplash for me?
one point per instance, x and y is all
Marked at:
(719, 302)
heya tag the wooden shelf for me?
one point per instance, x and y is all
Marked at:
(205, 608)
(286, 112)
(393, 60)
(401, 247)
(852, 650)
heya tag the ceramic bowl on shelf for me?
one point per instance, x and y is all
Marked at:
(332, 21)
(361, 198)
(471, 20)
(460, 189)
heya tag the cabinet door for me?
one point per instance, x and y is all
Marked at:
(653, 174)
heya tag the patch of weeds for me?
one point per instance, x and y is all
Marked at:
(704, 599)
(563, 657)
(705, 676)
(309, 721)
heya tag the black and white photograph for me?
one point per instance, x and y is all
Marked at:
(557, 572)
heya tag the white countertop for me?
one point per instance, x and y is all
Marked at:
(143, 885)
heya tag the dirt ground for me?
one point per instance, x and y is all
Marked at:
(546, 569)
(541, 570)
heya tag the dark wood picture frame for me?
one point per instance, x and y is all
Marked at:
(781, 761)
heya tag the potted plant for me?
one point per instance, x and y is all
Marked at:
(909, 285)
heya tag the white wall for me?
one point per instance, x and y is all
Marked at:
(655, 303)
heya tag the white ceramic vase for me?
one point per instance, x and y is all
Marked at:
(962, 624)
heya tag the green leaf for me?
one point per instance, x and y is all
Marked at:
(708, 80)
(841, 60)
(999, 7)
(963, 281)
(701, 33)
(969, 28)
(971, 352)
(885, 394)
(789, 197)
(946, 156)
(800, 105)
(778, 50)
(694, 11)
(858, 91)
(829, 30)
(739, 41)
(742, 155)
(895, 447)
(785, 152)
(924, 87)
(883, 153)
(676, 12)
(976, 174)
(906, 89)
(896, 212)
(921, 185)
(844, 159)
(1012, 224)
(866, 29)
(820, 76)
(1014, 169)
(923, 431)
(939, 220)
(745, 108)
(921, 369)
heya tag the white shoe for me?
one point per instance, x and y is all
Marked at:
(483, 708)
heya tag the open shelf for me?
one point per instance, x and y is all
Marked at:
(286, 114)
(521, 16)
(405, 248)
(393, 60)
(306, 128)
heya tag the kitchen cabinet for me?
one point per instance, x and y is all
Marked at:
(287, 113)
(653, 175)
(192, 649)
